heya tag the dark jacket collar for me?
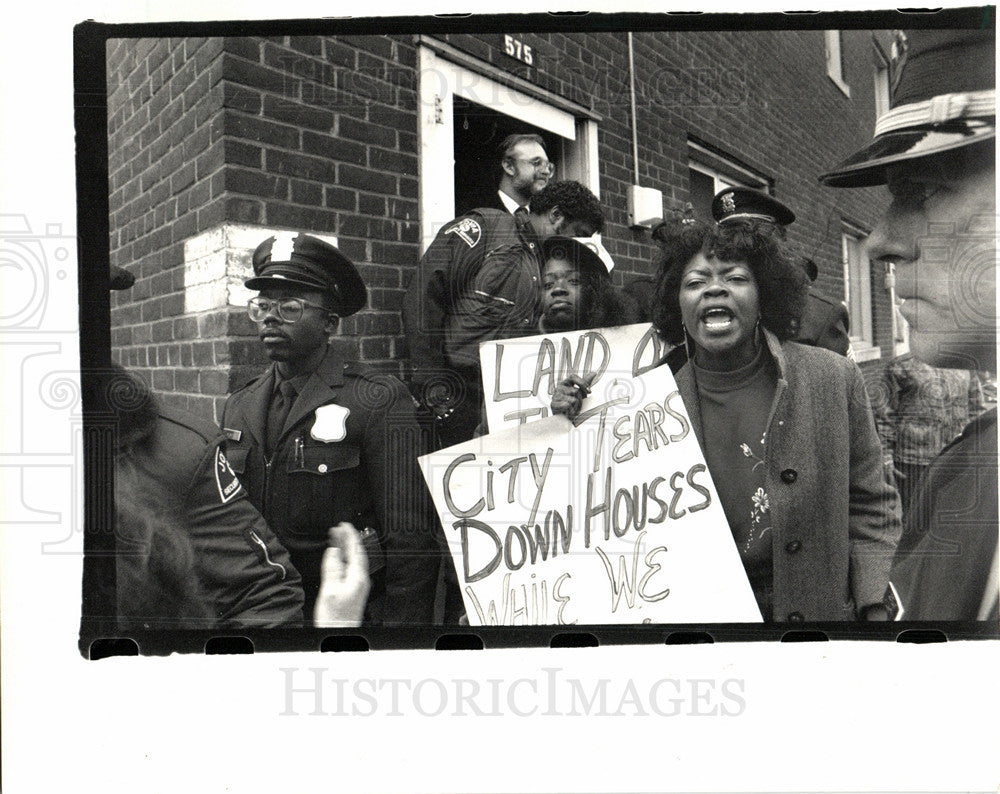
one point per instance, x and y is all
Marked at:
(317, 390)
(688, 388)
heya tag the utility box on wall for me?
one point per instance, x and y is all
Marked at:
(645, 206)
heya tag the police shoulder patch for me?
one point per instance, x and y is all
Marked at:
(468, 230)
(225, 478)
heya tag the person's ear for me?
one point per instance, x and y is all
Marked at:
(507, 164)
(555, 218)
(332, 322)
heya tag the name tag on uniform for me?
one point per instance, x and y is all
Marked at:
(331, 423)
(232, 435)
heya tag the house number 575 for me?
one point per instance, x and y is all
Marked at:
(516, 49)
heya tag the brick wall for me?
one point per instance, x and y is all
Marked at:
(165, 162)
(299, 133)
(237, 137)
(324, 139)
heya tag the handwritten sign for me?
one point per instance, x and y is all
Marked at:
(612, 518)
(519, 375)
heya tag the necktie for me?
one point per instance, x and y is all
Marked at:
(281, 404)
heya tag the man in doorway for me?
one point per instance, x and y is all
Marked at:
(524, 170)
(317, 441)
(479, 281)
(934, 150)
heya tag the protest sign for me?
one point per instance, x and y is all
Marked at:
(612, 518)
(519, 375)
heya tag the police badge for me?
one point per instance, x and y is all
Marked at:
(331, 423)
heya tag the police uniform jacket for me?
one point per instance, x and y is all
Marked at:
(348, 452)
(943, 564)
(834, 523)
(478, 281)
(825, 323)
(244, 574)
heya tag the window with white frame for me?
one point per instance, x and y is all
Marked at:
(858, 291)
(709, 172)
(881, 82)
(835, 60)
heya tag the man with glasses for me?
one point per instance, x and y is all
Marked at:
(479, 281)
(316, 442)
(934, 150)
(525, 170)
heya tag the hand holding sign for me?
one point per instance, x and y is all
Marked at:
(610, 518)
(569, 395)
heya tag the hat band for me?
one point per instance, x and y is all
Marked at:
(742, 216)
(939, 109)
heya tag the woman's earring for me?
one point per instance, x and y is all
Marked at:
(687, 349)
(756, 333)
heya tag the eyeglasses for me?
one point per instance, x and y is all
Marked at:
(540, 165)
(289, 310)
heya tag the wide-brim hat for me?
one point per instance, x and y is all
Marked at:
(586, 259)
(943, 97)
(300, 260)
(742, 203)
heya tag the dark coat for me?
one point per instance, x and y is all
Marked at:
(834, 519)
(369, 477)
(825, 323)
(943, 565)
(244, 575)
(477, 281)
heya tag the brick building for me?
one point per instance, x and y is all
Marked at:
(374, 141)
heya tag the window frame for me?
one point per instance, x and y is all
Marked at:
(832, 46)
(858, 288)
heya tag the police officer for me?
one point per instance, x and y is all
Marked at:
(825, 322)
(316, 441)
(193, 550)
(934, 151)
(479, 281)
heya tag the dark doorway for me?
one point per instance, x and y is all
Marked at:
(479, 131)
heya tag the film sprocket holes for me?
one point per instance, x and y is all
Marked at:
(408, 179)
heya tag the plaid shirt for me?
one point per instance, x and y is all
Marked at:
(919, 409)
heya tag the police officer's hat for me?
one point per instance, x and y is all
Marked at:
(586, 259)
(942, 86)
(298, 260)
(742, 203)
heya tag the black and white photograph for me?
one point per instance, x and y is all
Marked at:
(361, 282)
(375, 373)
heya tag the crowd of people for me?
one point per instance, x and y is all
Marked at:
(309, 508)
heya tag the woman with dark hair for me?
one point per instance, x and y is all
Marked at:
(576, 289)
(786, 429)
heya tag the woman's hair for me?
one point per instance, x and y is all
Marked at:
(156, 579)
(602, 305)
(782, 285)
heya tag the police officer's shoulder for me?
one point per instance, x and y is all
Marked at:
(180, 445)
(472, 228)
(250, 383)
(375, 384)
(181, 424)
